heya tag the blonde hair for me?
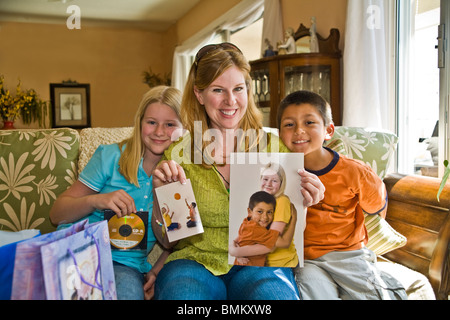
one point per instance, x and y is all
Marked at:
(281, 174)
(134, 148)
(202, 73)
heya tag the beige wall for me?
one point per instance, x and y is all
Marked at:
(329, 14)
(112, 59)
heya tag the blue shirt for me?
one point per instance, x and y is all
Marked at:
(102, 174)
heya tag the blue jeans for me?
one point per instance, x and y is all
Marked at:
(129, 282)
(189, 280)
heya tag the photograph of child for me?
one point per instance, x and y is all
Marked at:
(255, 229)
(276, 175)
(181, 218)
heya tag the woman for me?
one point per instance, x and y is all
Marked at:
(118, 177)
(217, 108)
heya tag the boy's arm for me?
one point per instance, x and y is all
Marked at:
(249, 251)
(283, 241)
(373, 197)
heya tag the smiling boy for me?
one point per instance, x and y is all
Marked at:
(337, 263)
(255, 229)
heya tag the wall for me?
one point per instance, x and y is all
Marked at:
(329, 14)
(111, 60)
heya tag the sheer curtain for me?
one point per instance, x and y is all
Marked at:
(368, 64)
(273, 23)
(243, 14)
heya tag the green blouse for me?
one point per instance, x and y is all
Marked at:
(211, 247)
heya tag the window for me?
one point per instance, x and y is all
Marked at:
(248, 39)
(418, 87)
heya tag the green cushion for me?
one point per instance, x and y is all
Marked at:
(373, 147)
(376, 149)
(36, 166)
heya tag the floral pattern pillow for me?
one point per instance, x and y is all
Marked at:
(374, 147)
(36, 166)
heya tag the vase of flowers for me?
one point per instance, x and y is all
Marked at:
(25, 104)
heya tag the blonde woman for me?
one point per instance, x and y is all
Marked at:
(119, 177)
(220, 114)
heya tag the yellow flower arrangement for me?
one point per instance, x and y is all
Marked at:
(25, 104)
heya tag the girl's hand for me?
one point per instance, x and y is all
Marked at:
(313, 189)
(118, 201)
(166, 172)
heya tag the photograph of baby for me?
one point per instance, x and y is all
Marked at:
(267, 217)
(179, 210)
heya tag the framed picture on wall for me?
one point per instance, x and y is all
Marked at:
(70, 105)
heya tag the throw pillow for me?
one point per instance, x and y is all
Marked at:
(36, 166)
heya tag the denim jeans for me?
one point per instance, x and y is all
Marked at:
(189, 280)
(129, 282)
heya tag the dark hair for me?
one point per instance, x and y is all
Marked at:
(302, 97)
(261, 196)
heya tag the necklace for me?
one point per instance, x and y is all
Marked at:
(215, 168)
(225, 180)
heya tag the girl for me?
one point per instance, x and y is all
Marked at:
(119, 177)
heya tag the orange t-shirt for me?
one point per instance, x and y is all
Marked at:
(337, 222)
(251, 233)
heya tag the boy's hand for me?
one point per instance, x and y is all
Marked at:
(312, 190)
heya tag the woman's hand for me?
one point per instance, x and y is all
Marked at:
(166, 172)
(313, 189)
(149, 286)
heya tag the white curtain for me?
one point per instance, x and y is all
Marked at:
(273, 23)
(367, 64)
(243, 14)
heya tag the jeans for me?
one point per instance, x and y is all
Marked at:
(347, 275)
(189, 280)
(129, 282)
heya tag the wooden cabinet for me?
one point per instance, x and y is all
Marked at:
(277, 76)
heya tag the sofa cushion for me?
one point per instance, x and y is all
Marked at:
(416, 284)
(382, 237)
(91, 138)
(36, 166)
(373, 147)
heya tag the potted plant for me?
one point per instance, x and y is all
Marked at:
(25, 104)
(444, 178)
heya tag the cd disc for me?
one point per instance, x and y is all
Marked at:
(126, 232)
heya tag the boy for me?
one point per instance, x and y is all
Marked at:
(337, 263)
(255, 229)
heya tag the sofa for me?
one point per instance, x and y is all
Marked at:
(412, 244)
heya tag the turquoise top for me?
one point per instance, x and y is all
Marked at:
(102, 174)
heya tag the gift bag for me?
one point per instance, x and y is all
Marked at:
(28, 278)
(80, 267)
(8, 244)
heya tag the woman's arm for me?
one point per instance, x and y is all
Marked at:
(78, 201)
